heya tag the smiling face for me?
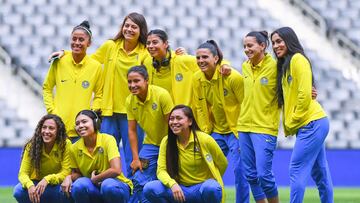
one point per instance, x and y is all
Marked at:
(130, 30)
(279, 46)
(84, 126)
(179, 123)
(156, 46)
(253, 50)
(137, 84)
(48, 132)
(206, 61)
(80, 41)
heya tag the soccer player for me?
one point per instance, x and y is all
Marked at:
(148, 106)
(172, 71)
(217, 100)
(259, 117)
(95, 162)
(302, 116)
(45, 163)
(190, 164)
(76, 77)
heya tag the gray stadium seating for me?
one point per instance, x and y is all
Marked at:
(342, 16)
(31, 30)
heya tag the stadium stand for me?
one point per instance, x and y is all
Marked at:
(31, 30)
(341, 16)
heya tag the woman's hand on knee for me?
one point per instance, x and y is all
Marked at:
(178, 193)
(66, 186)
(33, 195)
(41, 186)
(135, 165)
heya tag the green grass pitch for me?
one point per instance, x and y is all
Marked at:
(341, 195)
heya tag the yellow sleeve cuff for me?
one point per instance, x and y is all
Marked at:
(48, 178)
(29, 184)
(171, 183)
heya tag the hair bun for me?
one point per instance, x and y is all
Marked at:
(85, 24)
(264, 33)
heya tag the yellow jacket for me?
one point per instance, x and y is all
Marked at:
(75, 85)
(232, 83)
(211, 153)
(299, 107)
(182, 68)
(54, 167)
(107, 55)
(259, 110)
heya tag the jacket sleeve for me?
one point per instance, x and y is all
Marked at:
(48, 86)
(161, 172)
(25, 170)
(98, 89)
(302, 73)
(65, 170)
(101, 52)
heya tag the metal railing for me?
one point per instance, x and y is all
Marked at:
(20, 71)
(339, 38)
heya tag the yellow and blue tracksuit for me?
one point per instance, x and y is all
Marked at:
(258, 126)
(117, 62)
(217, 105)
(305, 117)
(200, 172)
(116, 189)
(54, 167)
(151, 116)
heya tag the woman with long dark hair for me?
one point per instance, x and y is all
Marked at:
(45, 163)
(190, 164)
(302, 116)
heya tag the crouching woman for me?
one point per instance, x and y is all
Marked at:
(45, 163)
(190, 164)
(96, 168)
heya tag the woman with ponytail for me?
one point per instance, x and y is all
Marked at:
(77, 80)
(259, 118)
(217, 101)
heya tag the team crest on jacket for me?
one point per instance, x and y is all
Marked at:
(101, 150)
(178, 77)
(225, 92)
(154, 106)
(80, 153)
(85, 84)
(264, 81)
(289, 79)
(208, 157)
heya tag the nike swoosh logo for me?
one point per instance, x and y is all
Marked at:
(63, 80)
(201, 98)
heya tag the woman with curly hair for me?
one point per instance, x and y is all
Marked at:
(45, 162)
